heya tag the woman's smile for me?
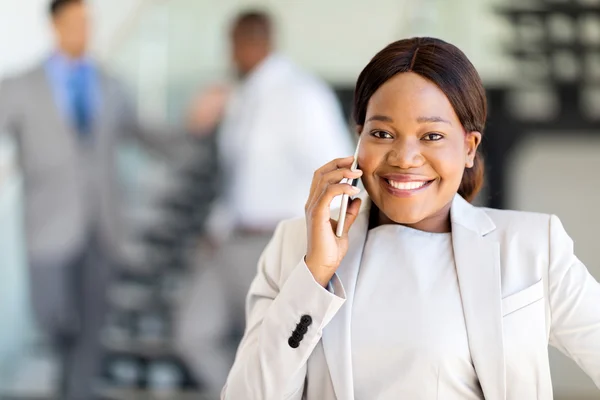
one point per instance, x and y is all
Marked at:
(405, 185)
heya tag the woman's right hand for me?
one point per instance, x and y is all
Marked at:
(325, 250)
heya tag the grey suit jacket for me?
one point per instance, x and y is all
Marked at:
(56, 214)
(56, 169)
(56, 217)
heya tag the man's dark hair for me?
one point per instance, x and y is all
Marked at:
(56, 6)
(254, 22)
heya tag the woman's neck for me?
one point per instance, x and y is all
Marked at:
(435, 223)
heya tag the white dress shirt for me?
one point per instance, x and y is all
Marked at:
(409, 338)
(280, 126)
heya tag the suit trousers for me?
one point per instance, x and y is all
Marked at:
(70, 303)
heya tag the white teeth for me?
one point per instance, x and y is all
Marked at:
(407, 185)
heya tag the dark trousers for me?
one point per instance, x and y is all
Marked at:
(70, 302)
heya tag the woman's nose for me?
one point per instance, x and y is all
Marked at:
(406, 154)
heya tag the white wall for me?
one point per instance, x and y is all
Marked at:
(24, 34)
(338, 37)
(157, 43)
(333, 38)
(167, 49)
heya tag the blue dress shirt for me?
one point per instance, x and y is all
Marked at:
(76, 90)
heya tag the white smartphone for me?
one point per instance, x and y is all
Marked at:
(344, 207)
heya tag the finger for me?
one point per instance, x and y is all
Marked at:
(323, 203)
(338, 176)
(351, 214)
(338, 163)
(332, 166)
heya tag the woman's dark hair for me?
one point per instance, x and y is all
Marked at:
(447, 67)
(56, 6)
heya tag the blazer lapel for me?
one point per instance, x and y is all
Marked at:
(46, 97)
(336, 336)
(478, 267)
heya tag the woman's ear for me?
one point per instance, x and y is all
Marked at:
(472, 141)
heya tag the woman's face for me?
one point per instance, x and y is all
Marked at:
(413, 152)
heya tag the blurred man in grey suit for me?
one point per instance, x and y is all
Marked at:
(67, 116)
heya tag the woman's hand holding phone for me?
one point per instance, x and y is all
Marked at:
(325, 250)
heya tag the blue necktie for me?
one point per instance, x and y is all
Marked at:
(81, 100)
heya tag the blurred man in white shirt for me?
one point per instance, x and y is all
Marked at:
(278, 126)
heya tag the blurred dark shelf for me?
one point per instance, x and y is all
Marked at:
(185, 209)
(164, 237)
(545, 48)
(203, 175)
(545, 9)
(554, 126)
(151, 268)
(139, 297)
(127, 394)
(139, 359)
(184, 205)
(142, 270)
(158, 257)
(149, 349)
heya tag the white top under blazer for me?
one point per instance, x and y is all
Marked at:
(521, 287)
(408, 336)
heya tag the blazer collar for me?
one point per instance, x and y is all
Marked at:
(477, 260)
(470, 217)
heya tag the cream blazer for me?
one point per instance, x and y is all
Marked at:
(521, 285)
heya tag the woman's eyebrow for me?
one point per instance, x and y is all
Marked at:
(422, 119)
(382, 118)
(431, 119)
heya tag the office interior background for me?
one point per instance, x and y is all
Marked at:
(539, 60)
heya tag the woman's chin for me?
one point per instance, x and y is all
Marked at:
(394, 217)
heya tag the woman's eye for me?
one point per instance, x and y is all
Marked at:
(433, 137)
(382, 135)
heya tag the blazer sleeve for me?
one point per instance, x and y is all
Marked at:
(284, 323)
(574, 304)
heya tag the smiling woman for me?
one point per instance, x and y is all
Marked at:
(424, 296)
(423, 125)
